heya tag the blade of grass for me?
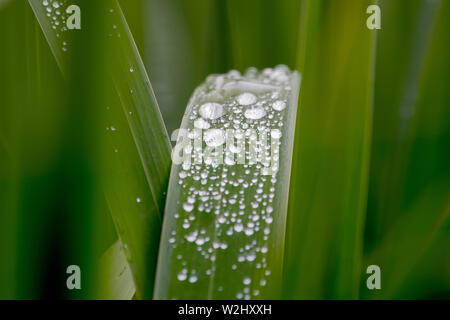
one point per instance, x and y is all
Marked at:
(143, 138)
(331, 154)
(404, 43)
(171, 57)
(407, 241)
(116, 278)
(224, 225)
(263, 32)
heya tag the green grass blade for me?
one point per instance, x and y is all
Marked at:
(263, 32)
(116, 279)
(138, 156)
(331, 158)
(224, 225)
(414, 212)
(171, 56)
(406, 46)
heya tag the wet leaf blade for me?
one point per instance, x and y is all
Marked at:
(224, 225)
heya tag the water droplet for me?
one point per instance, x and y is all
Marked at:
(188, 207)
(182, 174)
(246, 99)
(238, 227)
(255, 113)
(214, 137)
(192, 236)
(138, 200)
(279, 105)
(182, 275)
(211, 110)
(247, 281)
(275, 133)
(131, 69)
(200, 123)
(193, 279)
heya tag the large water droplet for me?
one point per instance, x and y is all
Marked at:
(211, 110)
(214, 137)
(246, 99)
(279, 105)
(255, 113)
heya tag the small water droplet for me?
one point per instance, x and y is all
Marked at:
(238, 227)
(182, 275)
(192, 236)
(275, 133)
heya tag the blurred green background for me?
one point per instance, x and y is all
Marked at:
(370, 180)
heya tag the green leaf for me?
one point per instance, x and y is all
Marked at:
(263, 32)
(224, 225)
(116, 279)
(137, 151)
(409, 204)
(172, 55)
(331, 153)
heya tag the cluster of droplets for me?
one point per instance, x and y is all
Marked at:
(227, 207)
(56, 13)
